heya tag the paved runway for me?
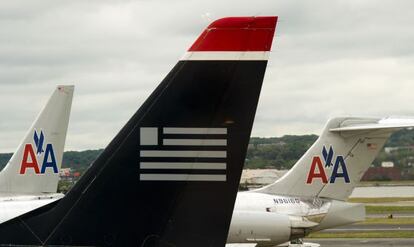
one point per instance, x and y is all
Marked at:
(363, 242)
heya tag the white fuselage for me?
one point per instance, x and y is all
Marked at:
(257, 217)
(271, 220)
(252, 201)
(12, 206)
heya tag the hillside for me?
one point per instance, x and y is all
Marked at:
(77, 160)
(280, 153)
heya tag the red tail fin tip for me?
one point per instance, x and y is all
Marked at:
(231, 33)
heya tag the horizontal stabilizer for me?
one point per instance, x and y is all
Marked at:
(391, 124)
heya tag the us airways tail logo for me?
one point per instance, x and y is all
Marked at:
(319, 168)
(32, 156)
(183, 154)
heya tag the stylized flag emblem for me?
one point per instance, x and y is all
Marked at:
(183, 154)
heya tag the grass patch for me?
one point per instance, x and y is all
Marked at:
(381, 199)
(386, 221)
(373, 234)
(389, 209)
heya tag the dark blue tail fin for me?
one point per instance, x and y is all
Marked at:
(171, 175)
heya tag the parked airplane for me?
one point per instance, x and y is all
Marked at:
(30, 178)
(312, 195)
(171, 175)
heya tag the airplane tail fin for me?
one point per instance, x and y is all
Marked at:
(34, 167)
(170, 177)
(336, 162)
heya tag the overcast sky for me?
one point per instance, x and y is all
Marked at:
(329, 58)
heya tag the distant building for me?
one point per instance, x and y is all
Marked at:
(389, 150)
(382, 173)
(407, 173)
(387, 164)
(65, 172)
(261, 176)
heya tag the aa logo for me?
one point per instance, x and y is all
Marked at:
(35, 155)
(321, 166)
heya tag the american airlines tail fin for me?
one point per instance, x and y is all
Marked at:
(336, 162)
(170, 177)
(34, 167)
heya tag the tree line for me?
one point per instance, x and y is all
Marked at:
(273, 152)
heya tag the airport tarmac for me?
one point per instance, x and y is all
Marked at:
(396, 215)
(371, 227)
(382, 191)
(362, 242)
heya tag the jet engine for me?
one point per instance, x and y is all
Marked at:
(266, 228)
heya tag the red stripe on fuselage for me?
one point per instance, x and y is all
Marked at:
(237, 34)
